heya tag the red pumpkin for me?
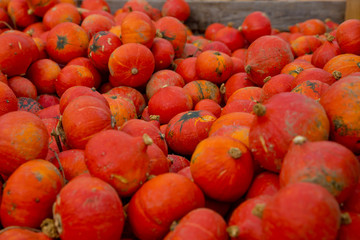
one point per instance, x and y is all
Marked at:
(231, 119)
(241, 105)
(19, 13)
(72, 163)
(296, 67)
(217, 46)
(85, 62)
(8, 100)
(277, 123)
(290, 214)
(88, 208)
(43, 73)
(222, 167)
(137, 128)
(177, 163)
(349, 228)
(119, 159)
(232, 37)
(35, 29)
(246, 93)
(277, 84)
(341, 108)
(352, 203)
(173, 30)
(311, 88)
(305, 45)
(343, 63)
(176, 8)
(158, 163)
(83, 118)
(265, 183)
(348, 35)
(23, 137)
(212, 29)
(95, 23)
(47, 100)
(122, 109)
(131, 64)
(187, 69)
(39, 8)
(209, 105)
(312, 27)
(22, 233)
(101, 45)
(22, 87)
(245, 221)
(163, 52)
(186, 129)
(214, 66)
(201, 224)
(161, 79)
(137, 27)
(95, 5)
(169, 101)
(266, 56)
(66, 41)
(29, 203)
(326, 163)
(235, 82)
(159, 202)
(133, 94)
(60, 13)
(202, 89)
(325, 52)
(49, 112)
(255, 25)
(137, 5)
(314, 74)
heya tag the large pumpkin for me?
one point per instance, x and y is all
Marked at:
(28, 203)
(341, 105)
(23, 137)
(277, 122)
(159, 202)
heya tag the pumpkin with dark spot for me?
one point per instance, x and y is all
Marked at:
(311, 88)
(296, 67)
(133, 94)
(222, 167)
(341, 103)
(214, 66)
(29, 105)
(315, 74)
(326, 163)
(29, 204)
(101, 45)
(279, 120)
(66, 41)
(160, 201)
(187, 129)
(122, 108)
(346, 64)
(88, 203)
(23, 137)
(203, 89)
(119, 159)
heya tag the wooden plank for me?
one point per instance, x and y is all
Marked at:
(281, 13)
(352, 9)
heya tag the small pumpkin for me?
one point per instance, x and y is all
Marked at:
(163, 52)
(22, 87)
(311, 88)
(187, 69)
(265, 183)
(235, 82)
(212, 29)
(343, 63)
(22, 233)
(232, 37)
(72, 163)
(95, 23)
(39, 8)
(209, 105)
(325, 52)
(133, 94)
(305, 45)
(60, 13)
(8, 100)
(202, 89)
(255, 25)
(122, 109)
(277, 84)
(176, 8)
(19, 13)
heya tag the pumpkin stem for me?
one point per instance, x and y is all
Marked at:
(158, 34)
(233, 231)
(329, 37)
(327, 20)
(337, 75)
(30, 11)
(55, 134)
(49, 229)
(155, 117)
(113, 122)
(147, 139)
(258, 210)
(222, 88)
(235, 152)
(299, 70)
(7, 25)
(151, 177)
(60, 165)
(345, 218)
(259, 109)
(248, 69)
(82, 10)
(267, 79)
(58, 222)
(173, 225)
(134, 71)
(299, 140)
(230, 24)
(240, 28)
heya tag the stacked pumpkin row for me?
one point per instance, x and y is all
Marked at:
(100, 114)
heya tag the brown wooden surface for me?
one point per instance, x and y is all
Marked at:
(281, 13)
(352, 9)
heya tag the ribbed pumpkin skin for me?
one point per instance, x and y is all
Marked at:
(271, 134)
(346, 64)
(341, 105)
(266, 56)
(187, 129)
(202, 89)
(88, 208)
(16, 233)
(201, 224)
(159, 202)
(28, 203)
(23, 137)
(122, 109)
(83, 118)
(243, 218)
(301, 211)
(326, 163)
(220, 174)
(131, 65)
(119, 159)
(347, 35)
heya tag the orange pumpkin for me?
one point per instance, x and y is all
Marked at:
(19, 13)
(312, 27)
(35, 29)
(40, 7)
(202, 89)
(95, 5)
(305, 45)
(163, 52)
(137, 27)
(22, 233)
(296, 67)
(343, 63)
(209, 105)
(122, 109)
(231, 119)
(95, 23)
(23, 87)
(347, 35)
(187, 69)
(60, 13)
(8, 100)
(246, 93)
(311, 88)
(66, 41)
(131, 64)
(163, 78)
(29, 204)
(133, 94)
(85, 62)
